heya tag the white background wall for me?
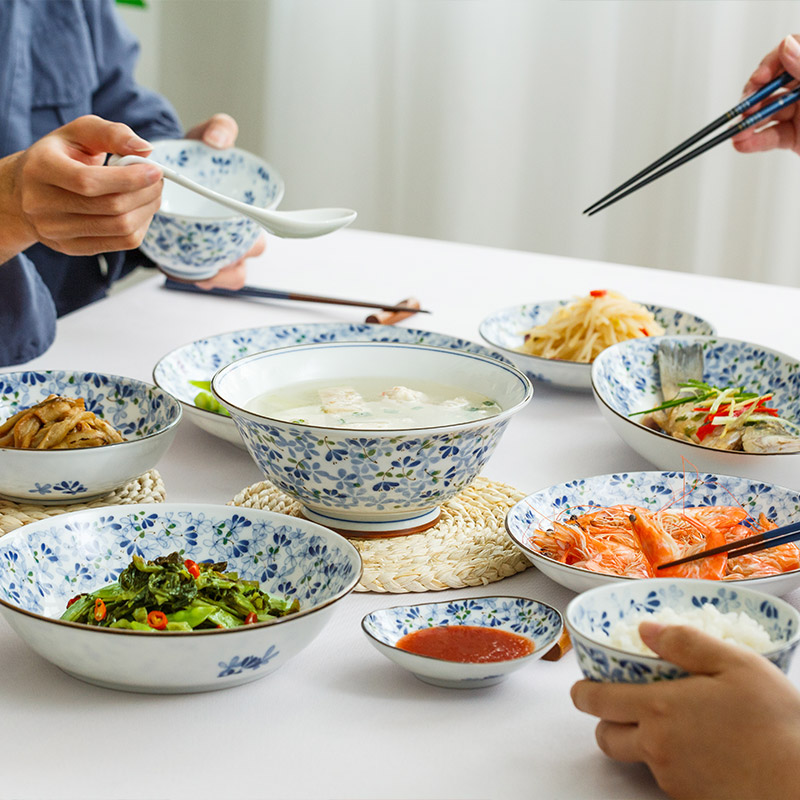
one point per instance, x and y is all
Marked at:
(498, 121)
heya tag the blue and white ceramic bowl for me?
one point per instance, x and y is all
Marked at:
(146, 416)
(192, 237)
(199, 360)
(530, 618)
(625, 379)
(504, 330)
(654, 491)
(45, 563)
(370, 482)
(590, 618)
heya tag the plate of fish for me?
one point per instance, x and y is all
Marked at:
(588, 532)
(719, 405)
(186, 372)
(556, 341)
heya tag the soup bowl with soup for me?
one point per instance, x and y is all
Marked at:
(371, 437)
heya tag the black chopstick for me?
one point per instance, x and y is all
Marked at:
(784, 100)
(275, 294)
(752, 544)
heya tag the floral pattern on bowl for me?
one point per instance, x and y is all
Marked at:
(45, 563)
(503, 329)
(199, 360)
(652, 490)
(625, 379)
(193, 241)
(591, 616)
(530, 618)
(145, 415)
(370, 482)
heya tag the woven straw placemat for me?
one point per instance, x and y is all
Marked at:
(147, 488)
(468, 546)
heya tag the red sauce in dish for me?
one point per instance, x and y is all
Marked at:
(466, 643)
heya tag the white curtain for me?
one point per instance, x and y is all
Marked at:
(497, 121)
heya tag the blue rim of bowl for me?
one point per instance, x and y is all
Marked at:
(374, 638)
(504, 414)
(666, 436)
(225, 213)
(206, 632)
(573, 631)
(170, 397)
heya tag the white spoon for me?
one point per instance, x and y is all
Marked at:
(303, 224)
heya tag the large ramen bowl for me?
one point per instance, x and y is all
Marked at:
(192, 237)
(504, 329)
(653, 491)
(181, 370)
(591, 617)
(147, 417)
(625, 379)
(370, 482)
(45, 563)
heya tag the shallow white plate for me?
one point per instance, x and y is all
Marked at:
(199, 360)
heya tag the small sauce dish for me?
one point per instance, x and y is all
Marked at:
(465, 644)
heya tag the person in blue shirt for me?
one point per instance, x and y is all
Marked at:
(69, 226)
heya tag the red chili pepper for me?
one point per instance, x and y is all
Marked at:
(704, 430)
(157, 620)
(73, 599)
(99, 609)
(250, 618)
(643, 331)
(598, 292)
(194, 570)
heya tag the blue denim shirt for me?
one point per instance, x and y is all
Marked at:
(59, 60)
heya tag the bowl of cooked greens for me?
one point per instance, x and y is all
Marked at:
(717, 405)
(172, 598)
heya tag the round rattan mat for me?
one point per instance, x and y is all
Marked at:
(468, 546)
(147, 488)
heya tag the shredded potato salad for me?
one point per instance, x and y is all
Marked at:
(581, 330)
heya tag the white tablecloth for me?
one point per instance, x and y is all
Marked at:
(340, 721)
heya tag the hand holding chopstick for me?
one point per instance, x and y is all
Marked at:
(782, 56)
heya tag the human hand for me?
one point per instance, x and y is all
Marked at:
(58, 192)
(782, 130)
(729, 730)
(233, 276)
(220, 131)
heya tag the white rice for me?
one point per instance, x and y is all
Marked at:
(734, 626)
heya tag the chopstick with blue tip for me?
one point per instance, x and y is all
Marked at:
(740, 108)
(276, 294)
(752, 544)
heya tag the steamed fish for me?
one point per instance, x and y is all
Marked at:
(729, 418)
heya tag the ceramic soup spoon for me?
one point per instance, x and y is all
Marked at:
(301, 224)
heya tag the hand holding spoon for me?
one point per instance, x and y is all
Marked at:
(302, 224)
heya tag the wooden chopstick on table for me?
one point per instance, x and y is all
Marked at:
(275, 294)
(630, 186)
(752, 544)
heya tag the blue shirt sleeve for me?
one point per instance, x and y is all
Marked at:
(60, 59)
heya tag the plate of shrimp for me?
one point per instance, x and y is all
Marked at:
(593, 531)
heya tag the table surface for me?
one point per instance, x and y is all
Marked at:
(340, 721)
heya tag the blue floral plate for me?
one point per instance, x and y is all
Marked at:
(199, 360)
(537, 621)
(504, 330)
(654, 491)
